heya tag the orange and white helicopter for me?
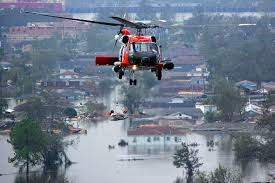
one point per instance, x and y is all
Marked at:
(138, 51)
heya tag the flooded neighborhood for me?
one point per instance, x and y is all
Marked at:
(147, 91)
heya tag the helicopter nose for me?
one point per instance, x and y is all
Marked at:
(145, 59)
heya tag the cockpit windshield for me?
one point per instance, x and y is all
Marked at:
(144, 47)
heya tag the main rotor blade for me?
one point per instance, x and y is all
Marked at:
(215, 25)
(75, 19)
(136, 25)
(127, 23)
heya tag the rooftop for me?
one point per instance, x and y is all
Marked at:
(247, 85)
(155, 130)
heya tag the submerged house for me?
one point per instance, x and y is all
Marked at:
(247, 87)
(205, 108)
(156, 135)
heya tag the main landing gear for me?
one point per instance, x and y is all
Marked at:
(133, 82)
(120, 74)
(159, 74)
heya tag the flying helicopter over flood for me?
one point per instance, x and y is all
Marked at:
(138, 51)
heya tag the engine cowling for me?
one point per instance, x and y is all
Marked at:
(116, 68)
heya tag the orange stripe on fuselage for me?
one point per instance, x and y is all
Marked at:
(142, 39)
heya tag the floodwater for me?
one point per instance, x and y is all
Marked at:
(96, 163)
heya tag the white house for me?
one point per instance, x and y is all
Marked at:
(272, 109)
(206, 108)
(69, 75)
(156, 135)
(253, 108)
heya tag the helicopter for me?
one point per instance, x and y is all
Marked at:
(138, 51)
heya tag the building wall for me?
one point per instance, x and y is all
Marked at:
(206, 108)
(156, 140)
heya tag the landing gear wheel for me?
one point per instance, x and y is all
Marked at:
(159, 74)
(135, 82)
(120, 74)
(130, 81)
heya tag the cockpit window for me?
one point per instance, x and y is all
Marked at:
(144, 47)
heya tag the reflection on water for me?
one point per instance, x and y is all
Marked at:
(56, 176)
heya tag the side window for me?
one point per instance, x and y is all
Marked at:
(177, 139)
(167, 138)
(121, 53)
(153, 48)
(148, 139)
(156, 138)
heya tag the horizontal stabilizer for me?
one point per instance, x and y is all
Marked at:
(105, 60)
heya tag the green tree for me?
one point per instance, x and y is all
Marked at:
(100, 40)
(260, 146)
(94, 107)
(1, 53)
(45, 176)
(188, 159)
(239, 53)
(133, 98)
(212, 117)
(28, 141)
(228, 99)
(70, 112)
(219, 175)
(148, 80)
(3, 106)
(54, 154)
(33, 109)
(53, 104)
(246, 147)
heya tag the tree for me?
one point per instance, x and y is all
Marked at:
(133, 98)
(94, 107)
(3, 105)
(246, 147)
(53, 104)
(33, 109)
(227, 98)
(45, 176)
(54, 153)
(219, 175)
(260, 146)
(148, 80)
(1, 53)
(28, 141)
(239, 53)
(100, 39)
(70, 112)
(188, 159)
(212, 116)
(179, 180)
